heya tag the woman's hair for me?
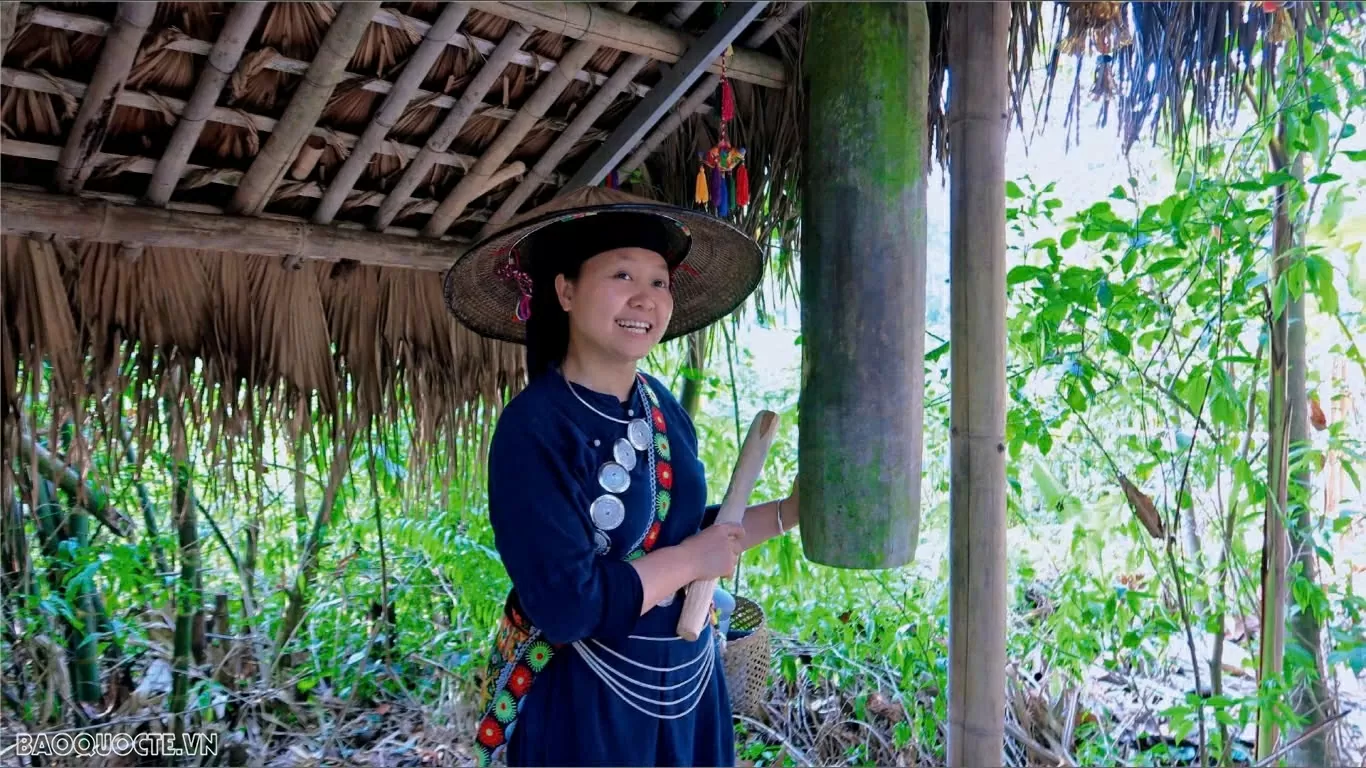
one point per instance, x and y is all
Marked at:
(547, 330)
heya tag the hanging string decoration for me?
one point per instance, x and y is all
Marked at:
(722, 179)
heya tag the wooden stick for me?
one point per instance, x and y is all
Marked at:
(753, 452)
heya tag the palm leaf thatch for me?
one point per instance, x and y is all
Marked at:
(273, 338)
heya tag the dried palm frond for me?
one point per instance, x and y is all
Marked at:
(382, 47)
(547, 44)
(536, 142)
(605, 60)
(38, 47)
(161, 68)
(479, 132)
(1099, 26)
(418, 120)
(28, 114)
(136, 121)
(230, 141)
(350, 105)
(296, 29)
(199, 19)
(43, 326)
(486, 25)
(452, 69)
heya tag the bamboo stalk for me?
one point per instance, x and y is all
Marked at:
(92, 499)
(978, 106)
(227, 51)
(704, 90)
(477, 178)
(407, 85)
(451, 126)
(614, 29)
(188, 586)
(307, 104)
(583, 120)
(97, 108)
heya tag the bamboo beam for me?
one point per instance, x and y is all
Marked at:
(15, 78)
(481, 177)
(594, 24)
(414, 71)
(670, 88)
(97, 108)
(89, 25)
(219, 67)
(451, 125)
(25, 213)
(978, 107)
(587, 115)
(698, 98)
(9, 18)
(225, 176)
(301, 116)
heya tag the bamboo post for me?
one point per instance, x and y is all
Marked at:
(407, 85)
(863, 283)
(227, 51)
(978, 106)
(300, 117)
(97, 108)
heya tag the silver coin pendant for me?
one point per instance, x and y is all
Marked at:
(639, 433)
(624, 453)
(614, 478)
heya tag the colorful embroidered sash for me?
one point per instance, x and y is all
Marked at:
(519, 650)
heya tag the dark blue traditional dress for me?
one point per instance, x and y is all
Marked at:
(580, 484)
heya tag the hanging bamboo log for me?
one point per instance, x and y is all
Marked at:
(227, 51)
(451, 125)
(97, 108)
(307, 104)
(977, 114)
(863, 283)
(407, 85)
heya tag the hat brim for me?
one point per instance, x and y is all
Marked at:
(721, 268)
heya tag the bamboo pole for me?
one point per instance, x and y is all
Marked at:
(307, 104)
(978, 106)
(476, 180)
(97, 108)
(99, 221)
(451, 125)
(704, 90)
(863, 283)
(241, 119)
(227, 51)
(613, 29)
(407, 85)
(587, 115)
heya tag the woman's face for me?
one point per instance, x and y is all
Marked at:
(620, 304)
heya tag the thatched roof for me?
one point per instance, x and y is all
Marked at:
(320, 164)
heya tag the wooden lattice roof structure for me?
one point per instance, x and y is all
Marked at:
(273, 189)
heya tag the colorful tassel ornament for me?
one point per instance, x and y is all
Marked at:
(742, 186)
(722, 180)
(700, 191)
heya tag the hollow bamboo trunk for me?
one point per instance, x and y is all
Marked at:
(978, 95)
(863, 283)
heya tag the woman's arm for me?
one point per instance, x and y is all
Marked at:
(762, 521)
(709, 553)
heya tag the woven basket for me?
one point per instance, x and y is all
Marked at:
(747, 658)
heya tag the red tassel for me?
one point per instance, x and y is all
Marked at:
(741, 186)
(727, 101)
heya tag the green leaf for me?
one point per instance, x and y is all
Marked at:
(1118, 341)
(1024, 273)
(1356, 155)
(1324, 178)
(1013, 190)
(1069, 238)
(1162, 265)
(1104, 294)
(1118, 193)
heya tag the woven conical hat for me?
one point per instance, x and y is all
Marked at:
(722, 267)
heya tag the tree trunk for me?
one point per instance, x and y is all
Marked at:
(863, 283)
(1274, 543)
(188, 597)
(1311, 699)
(978, 95)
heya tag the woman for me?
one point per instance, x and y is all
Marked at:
(597, 497)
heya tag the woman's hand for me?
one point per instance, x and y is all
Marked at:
(714, 551)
